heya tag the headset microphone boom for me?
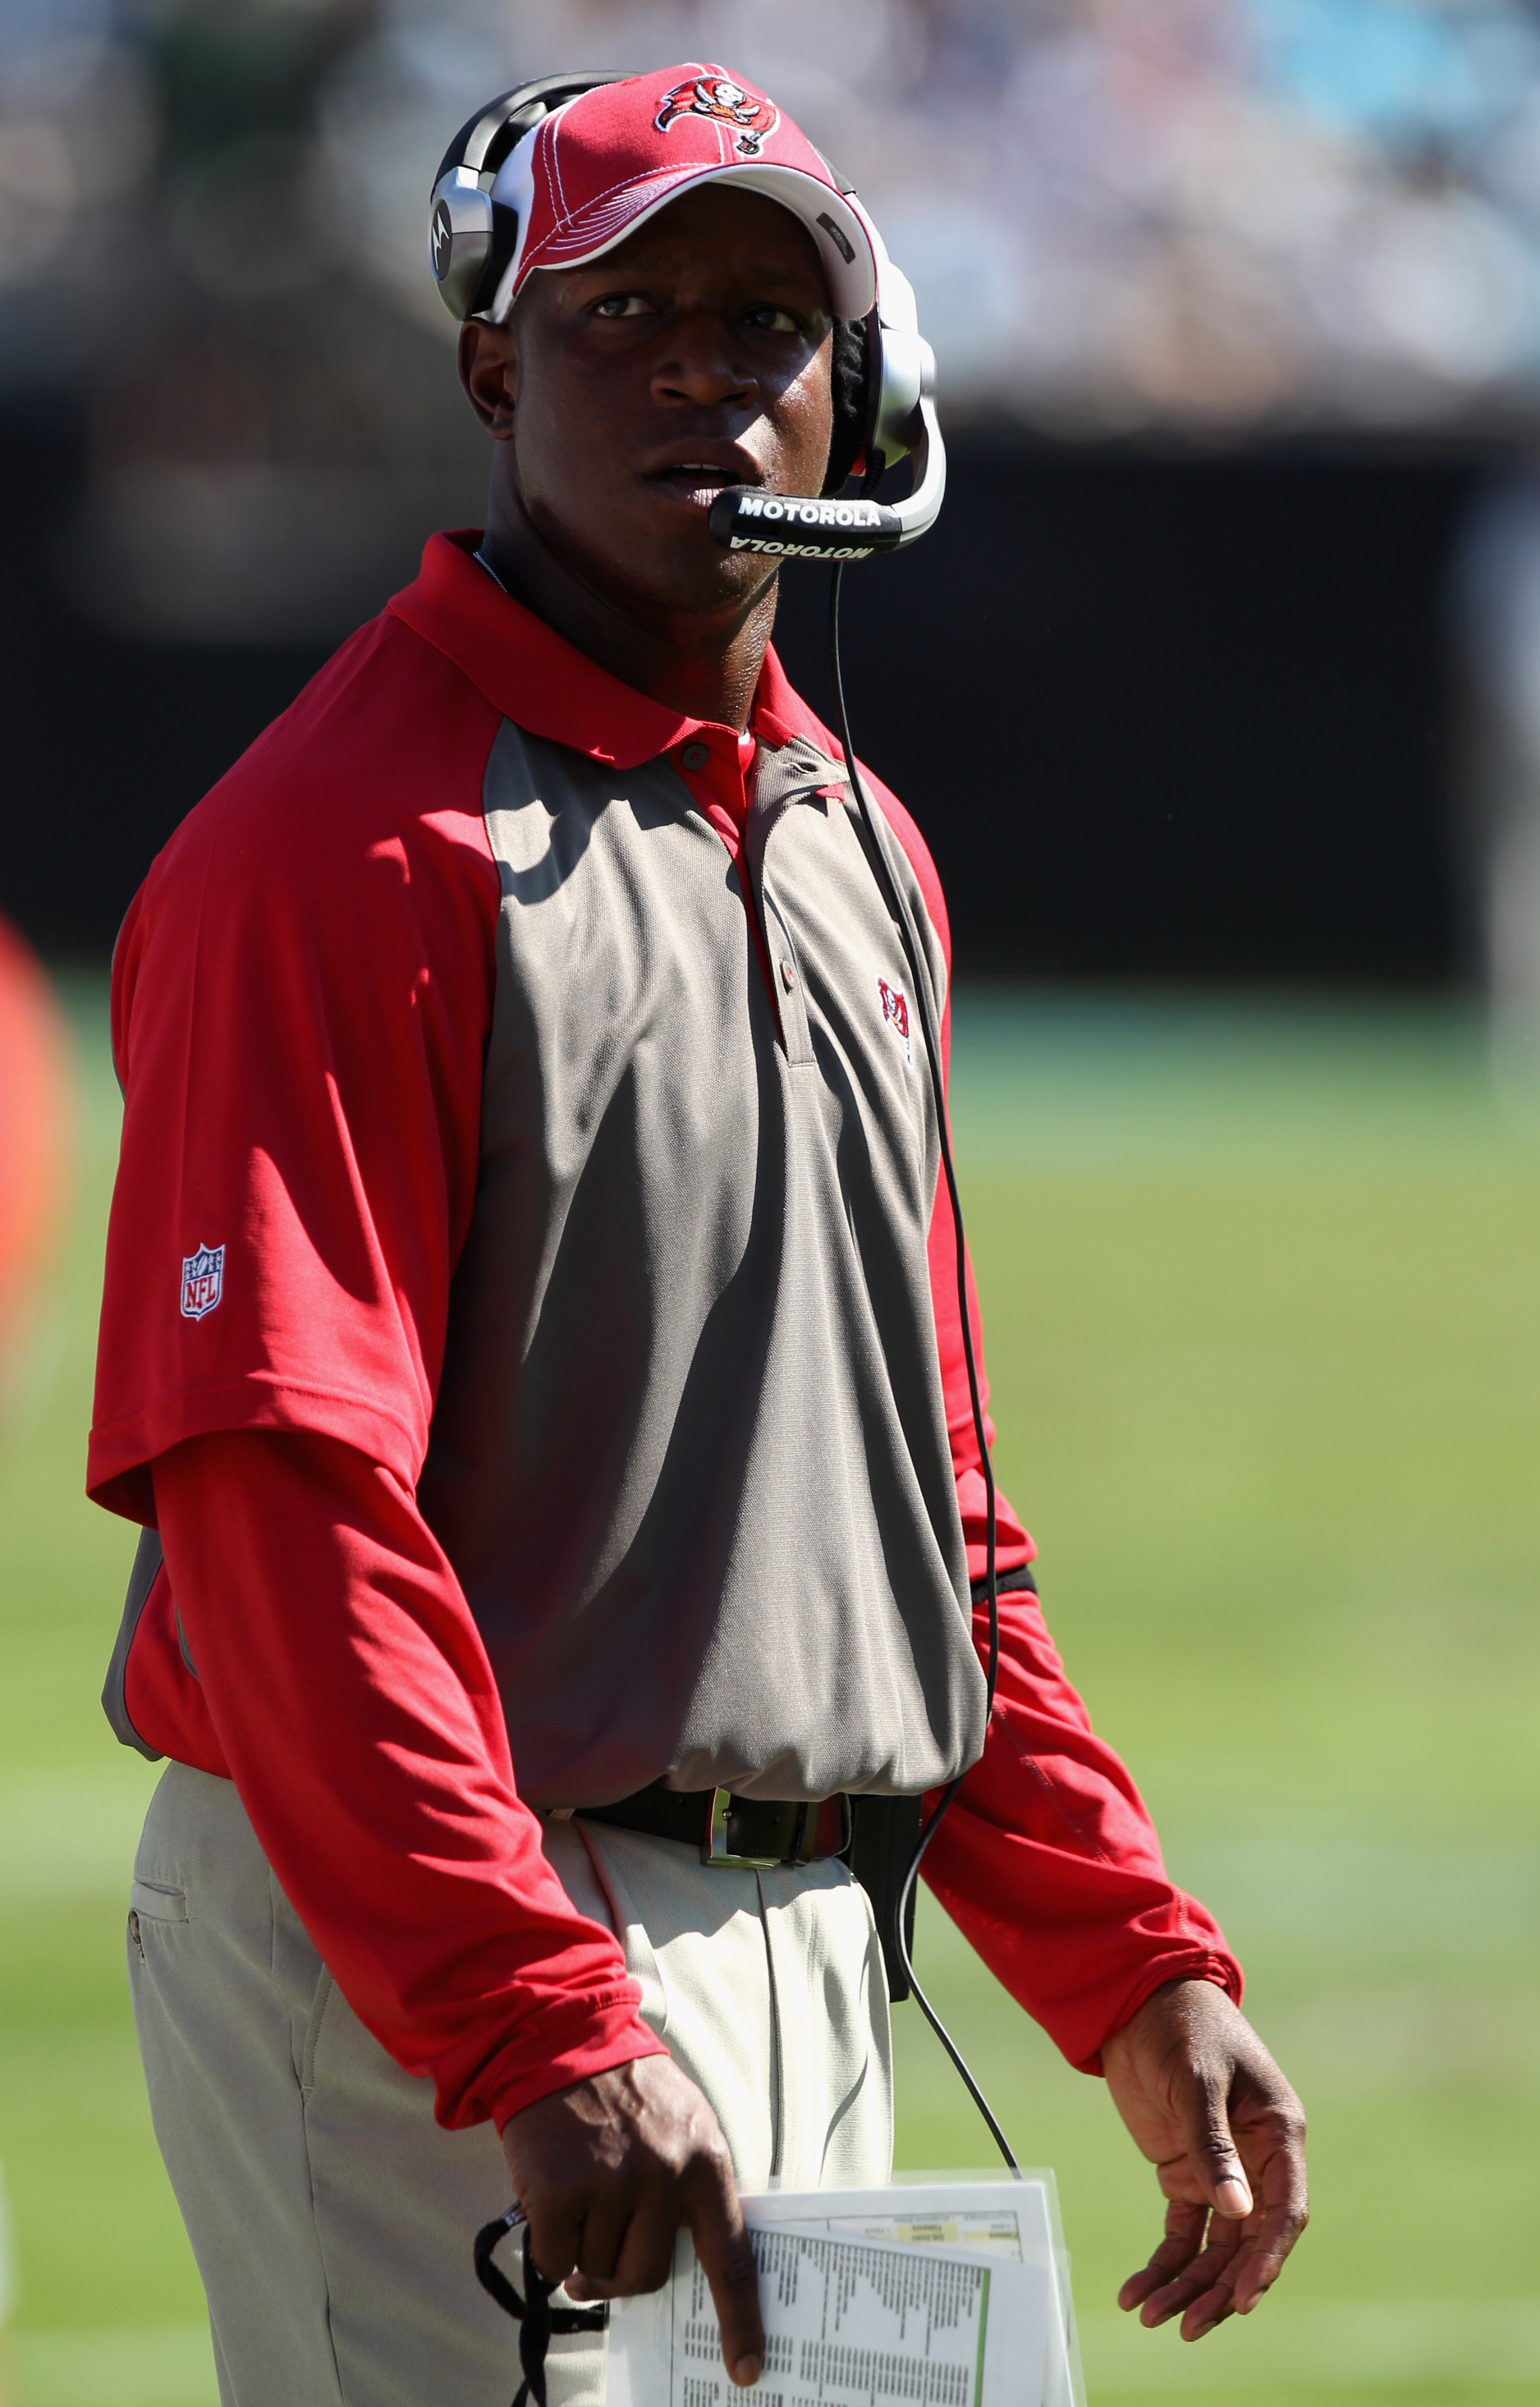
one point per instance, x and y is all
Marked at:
(900, 385)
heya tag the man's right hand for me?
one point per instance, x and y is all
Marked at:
(608, 2170)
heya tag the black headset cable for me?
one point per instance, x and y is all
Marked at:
(920, 980)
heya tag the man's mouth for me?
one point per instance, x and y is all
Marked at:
(697, 482)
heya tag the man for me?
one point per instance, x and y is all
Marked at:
(520, 1326)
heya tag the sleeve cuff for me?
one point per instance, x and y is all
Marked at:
(1204, 1964)
(558, 2051)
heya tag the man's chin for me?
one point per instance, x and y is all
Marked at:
(684, 571)
(649, 558)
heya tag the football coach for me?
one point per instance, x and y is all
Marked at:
(532, 1348)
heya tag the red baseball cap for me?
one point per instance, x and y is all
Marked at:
(594, 170)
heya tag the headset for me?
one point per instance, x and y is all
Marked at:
(884, 388)
(886, 370)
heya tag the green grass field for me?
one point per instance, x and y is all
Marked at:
(1262, 1290)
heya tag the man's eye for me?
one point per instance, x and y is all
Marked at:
(622, 305)
(773, 321)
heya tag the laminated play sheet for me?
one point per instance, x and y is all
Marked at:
(929, 2295)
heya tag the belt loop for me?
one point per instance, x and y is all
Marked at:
(813, 1839)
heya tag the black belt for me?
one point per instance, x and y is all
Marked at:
(754, 1834)
(876, 1835)
(749, 1833)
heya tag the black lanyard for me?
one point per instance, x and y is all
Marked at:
(535, 2314)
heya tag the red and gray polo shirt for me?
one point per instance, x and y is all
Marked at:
(521, 1087)
(545, 1117)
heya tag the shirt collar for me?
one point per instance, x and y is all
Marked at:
(546, 685)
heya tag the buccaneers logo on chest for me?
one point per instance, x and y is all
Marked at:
(895, 1005)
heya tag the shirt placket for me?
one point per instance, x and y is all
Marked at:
(713, 765)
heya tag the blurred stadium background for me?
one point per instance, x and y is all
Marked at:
(1218, 694)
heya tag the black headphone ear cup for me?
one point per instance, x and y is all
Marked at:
(473, 237)
(850, 378)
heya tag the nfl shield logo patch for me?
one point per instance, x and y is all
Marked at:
(203, 1281)
(895, 1005)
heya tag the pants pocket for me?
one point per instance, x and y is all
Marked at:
(154, 1901)
(151, 1901)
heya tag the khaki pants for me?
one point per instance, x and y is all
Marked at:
(330, 2216)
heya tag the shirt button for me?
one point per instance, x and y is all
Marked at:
(785, 976)
(695, 756)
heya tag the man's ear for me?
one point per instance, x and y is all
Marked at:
(488, 370)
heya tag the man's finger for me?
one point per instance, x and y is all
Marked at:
(1264, 2259)
(556, 2230)
(602, 2240)
(1201, 2293)
(1286, 2211)
(1184, 2229)
(1212, 2153)
(722, 2244)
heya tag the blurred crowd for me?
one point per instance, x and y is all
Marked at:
(1202, 215)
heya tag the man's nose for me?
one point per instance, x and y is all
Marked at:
(702, 365)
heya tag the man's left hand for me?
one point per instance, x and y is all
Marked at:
(1209, 2108)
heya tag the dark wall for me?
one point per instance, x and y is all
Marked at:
(1170, 717)
(1158, 717)
(104, 744)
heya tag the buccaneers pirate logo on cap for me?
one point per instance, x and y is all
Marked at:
(716, 96)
